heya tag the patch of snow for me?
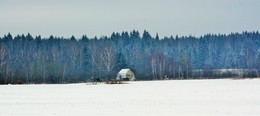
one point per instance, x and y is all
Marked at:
(222, 97)
(123, 71)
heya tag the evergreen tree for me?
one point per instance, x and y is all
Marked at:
(120, 62)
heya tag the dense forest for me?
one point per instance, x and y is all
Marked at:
(28, 59)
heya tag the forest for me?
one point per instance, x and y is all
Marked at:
(28, 59)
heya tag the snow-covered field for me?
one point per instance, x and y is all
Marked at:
(222, 97)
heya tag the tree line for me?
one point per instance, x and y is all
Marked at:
(28, 59)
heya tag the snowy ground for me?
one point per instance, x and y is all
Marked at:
(223, 97)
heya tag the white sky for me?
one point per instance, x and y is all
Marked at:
(102, 17)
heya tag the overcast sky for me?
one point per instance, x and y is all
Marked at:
(102, 17)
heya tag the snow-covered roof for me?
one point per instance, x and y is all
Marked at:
(123, 71)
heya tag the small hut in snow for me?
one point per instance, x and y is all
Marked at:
(125, 74)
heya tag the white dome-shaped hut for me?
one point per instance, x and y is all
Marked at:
(125, 74)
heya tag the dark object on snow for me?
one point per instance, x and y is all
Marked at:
(95, 80)
(114, 82)
(125, 79)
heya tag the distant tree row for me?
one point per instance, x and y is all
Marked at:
(27, 59)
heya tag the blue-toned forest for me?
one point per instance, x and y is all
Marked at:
(28, 59)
